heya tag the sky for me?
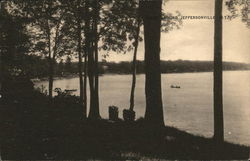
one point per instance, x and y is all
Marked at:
(194, 40)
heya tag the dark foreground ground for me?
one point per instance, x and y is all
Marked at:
(32, 128)
(75, 139)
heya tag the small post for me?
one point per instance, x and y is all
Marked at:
(113, 113)
(128, 115)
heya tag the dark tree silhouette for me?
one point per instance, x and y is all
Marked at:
(151, 14)
(14, 44)
(93, 65)
(166, 25)
(108, 24)
(96, 40)
(76, 8)
(49, 29)
(87, 31)
(85, 23)
(218, 91)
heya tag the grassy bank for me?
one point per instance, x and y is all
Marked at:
(59, 134)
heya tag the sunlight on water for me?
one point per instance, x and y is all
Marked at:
(189, 108)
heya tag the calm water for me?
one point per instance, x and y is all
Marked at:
(189, 108)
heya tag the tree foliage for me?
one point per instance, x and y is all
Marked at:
(240, 8)
(14, 42)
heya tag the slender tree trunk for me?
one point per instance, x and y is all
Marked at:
(91, 65)
(85, 85)
(88, 60)
(50, 69)
(151, 14)
(52, 60)
(96, 79)
(131, 108)
(80, 68)
(51, 78)
(87, 63)
(96, 57)
(93, 113)
(218, 98)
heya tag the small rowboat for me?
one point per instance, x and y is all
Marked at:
(70, 90)
(172, 86)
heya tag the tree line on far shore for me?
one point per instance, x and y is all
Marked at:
(178, 66)
(37, 67)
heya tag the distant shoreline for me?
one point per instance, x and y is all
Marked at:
(45, 79)
(65, 71)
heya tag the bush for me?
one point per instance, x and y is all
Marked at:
(16, 88)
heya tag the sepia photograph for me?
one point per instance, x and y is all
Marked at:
(124, 80)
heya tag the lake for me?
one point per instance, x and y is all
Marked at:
(189, 108)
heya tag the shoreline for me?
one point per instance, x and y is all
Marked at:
(44, 79)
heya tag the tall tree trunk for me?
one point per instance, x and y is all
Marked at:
(93, 72)
(80, 68)
(93, 113)
(151, 14)
(132, 97)
(218, 98)
(87, 63)
(88, 54)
